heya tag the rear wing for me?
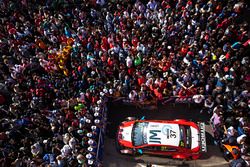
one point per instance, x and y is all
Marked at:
(202, 136)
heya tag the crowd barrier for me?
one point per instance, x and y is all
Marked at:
(100, 145)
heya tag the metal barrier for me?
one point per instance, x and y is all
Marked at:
(100, 145)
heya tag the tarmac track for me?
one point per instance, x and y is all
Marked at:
(118, 112)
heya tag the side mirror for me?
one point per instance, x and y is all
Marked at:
(140, 151)
(142, 118)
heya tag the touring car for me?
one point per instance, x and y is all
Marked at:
(179, 139)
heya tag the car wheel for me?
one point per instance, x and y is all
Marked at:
(130, 118)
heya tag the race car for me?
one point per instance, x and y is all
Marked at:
(178, 139)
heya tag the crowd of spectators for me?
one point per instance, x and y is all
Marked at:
(61, 60)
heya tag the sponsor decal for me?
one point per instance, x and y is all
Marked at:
(153, 136)
(154, 125)
(167, 130)
(203, 137)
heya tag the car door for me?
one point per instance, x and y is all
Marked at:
(159, 150)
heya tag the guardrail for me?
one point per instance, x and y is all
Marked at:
(100, 145)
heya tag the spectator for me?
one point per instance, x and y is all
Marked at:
(196, 50)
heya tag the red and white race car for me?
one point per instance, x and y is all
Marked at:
(178, 139)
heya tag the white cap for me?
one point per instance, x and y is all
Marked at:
(90, 148)
(110, 91)
(97, 108)
(89, 156)
(105, 90)
(93, 127)
(97, 121)
(89, 134)
(240, 138)
(99, 102)
(88, 120)
(90, 141)
(90, 162)
(96, 114)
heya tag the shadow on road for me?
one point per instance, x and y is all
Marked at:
(118, 112)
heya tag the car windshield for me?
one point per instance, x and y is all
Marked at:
(139, 136)
(185, 136)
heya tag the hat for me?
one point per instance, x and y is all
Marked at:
(97, 108)
(222, 57)
(93, 127)
(190, 53)
(88, 120)
(90, 162)
(110, 91)
(105, 90)
(92, 73)
(66, 149)
(96, 114)
(165, 74)
(226, 69)
(70, 129)
(90, 141)
(90, 149)
(97, 121)
(89, 156)
(89, 134)
(240, 138)
(82, 121)
(80, 132)
(99, 102)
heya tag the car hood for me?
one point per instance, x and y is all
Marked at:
(126, 133)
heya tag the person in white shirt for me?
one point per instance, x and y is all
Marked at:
(132, 95)
(152, 5)
(129, 62)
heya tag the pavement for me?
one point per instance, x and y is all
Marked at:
(118, 112)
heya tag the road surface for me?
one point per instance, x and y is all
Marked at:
(118, 112)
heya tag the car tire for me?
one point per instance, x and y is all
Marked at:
(130, 119)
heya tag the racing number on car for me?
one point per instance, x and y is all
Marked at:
(167, 130)
(153, 136)
(172, 134)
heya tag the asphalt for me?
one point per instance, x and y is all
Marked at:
(118, 112)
